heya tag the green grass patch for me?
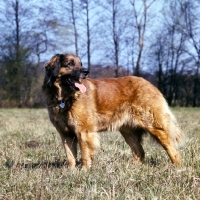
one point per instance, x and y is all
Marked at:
(33, 163)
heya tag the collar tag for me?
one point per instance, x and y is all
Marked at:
(62, 104)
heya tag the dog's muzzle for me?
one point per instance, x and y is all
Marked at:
(84, 73)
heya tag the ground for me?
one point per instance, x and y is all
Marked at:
(33, 163)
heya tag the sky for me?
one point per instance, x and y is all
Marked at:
(63, 40)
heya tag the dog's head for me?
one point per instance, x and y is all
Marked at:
(65, 70)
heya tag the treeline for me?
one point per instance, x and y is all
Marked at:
(156, 39)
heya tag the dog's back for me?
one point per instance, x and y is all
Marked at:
(133, 106)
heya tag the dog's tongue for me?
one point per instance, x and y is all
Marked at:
(81, 87)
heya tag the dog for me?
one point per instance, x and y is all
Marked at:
(80, 108)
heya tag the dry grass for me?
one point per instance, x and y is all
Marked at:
(33, 163)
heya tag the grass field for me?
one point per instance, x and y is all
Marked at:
(33, 163)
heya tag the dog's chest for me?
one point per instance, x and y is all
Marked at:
(60, 119)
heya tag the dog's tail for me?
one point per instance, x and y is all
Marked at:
(176, 135)
(172, 128)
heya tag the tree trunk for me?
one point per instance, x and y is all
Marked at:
(16, 65)
(115, 40)
(137, 68)
(74, 27)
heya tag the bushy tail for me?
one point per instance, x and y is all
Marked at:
(176, 135)
(172, 128)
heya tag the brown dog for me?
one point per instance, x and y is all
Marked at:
(80, 108)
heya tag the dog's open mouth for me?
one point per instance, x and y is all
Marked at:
(73, 83)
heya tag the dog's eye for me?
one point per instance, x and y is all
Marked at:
(71, 63)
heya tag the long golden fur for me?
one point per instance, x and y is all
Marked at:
(81, 107)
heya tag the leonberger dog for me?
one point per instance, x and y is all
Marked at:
(80, 108)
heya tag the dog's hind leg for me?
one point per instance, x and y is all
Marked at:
(133, 138)
(70, 146)
(89, 142)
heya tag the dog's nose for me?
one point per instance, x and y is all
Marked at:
(84, 71)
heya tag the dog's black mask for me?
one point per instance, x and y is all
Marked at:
(69, 80)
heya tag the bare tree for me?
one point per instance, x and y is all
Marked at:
(86, 9)
(115, 35)
(19, 43)
(170, 51)
(74, 26)
(114, 31)
(192, 30)
(141, 19)
(88, 28)
(14, 49)
(71, 8)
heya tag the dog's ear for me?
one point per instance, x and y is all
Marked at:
(52, 68)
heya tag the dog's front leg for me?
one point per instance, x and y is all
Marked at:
(70, 146)
(89, 142)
